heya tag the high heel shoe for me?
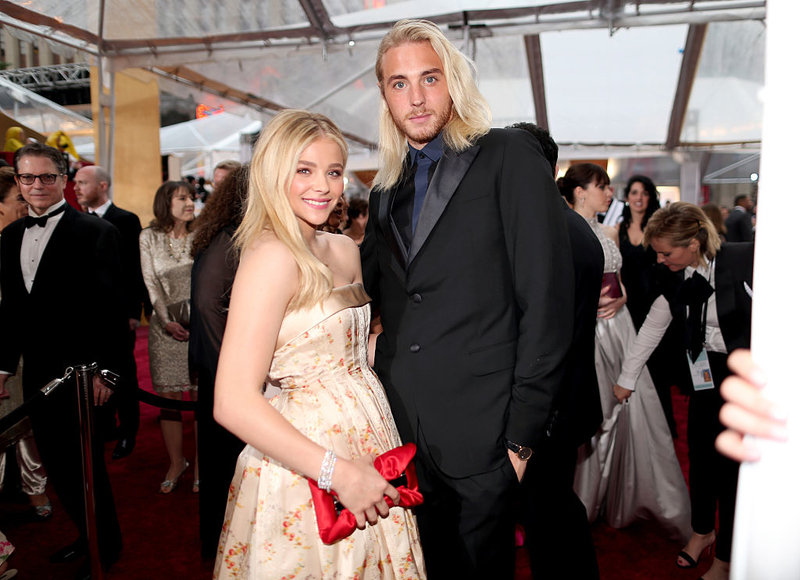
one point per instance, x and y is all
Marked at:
(196, 486)
(692, 563)
(168, 485)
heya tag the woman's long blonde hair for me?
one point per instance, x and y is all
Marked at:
(272, 169)
(472, 115)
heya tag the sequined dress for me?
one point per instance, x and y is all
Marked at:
(167, 272)
(330, 394)
(629, 470)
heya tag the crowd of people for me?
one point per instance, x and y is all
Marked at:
(528, 356)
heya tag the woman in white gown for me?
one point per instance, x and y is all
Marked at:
(629, 470)
(299, 320)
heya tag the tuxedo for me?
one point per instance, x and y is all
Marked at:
(739, 225)
(79, 264)
(126, 398)
(557, 533)
(477, 314)
(712, 477)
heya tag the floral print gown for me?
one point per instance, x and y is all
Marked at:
(330, 394)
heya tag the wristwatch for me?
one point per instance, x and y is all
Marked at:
(523, 453)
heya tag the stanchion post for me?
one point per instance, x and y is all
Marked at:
(84, 375)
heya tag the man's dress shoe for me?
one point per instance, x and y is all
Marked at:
(123, 448)
(69, 553)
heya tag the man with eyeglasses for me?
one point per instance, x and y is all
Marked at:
(60, 279)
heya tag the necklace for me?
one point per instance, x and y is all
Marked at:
(181, 248)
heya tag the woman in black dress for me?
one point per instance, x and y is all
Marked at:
(639, 278)
(215, 263)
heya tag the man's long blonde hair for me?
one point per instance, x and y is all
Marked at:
(272, 169)
(471, 117)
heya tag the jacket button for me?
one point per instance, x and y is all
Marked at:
(416, 298)
(414, 348)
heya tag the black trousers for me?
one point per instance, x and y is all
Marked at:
(557, 533)
(127, 401)
(466, 524)
(712, 477)
(57, 433)
(218, 451)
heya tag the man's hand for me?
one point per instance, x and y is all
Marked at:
(4, 394)
(101, 392)
(177, 331)
(518, 464)
(133, 324)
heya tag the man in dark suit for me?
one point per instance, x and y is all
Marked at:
(557, 533)
(467, 259)
(740, 221)
(54, 255)
(92, 186)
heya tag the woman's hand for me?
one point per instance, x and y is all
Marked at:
(608, 307)
(621, 393)
(361, 489)
(177, 331)
(747, 412)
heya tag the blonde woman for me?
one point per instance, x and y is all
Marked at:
(299, 320)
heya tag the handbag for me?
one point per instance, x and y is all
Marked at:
(335, 522)
(180, 312)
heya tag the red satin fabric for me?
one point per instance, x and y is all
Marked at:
(390, 465)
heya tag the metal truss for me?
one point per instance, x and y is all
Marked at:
(61, 76)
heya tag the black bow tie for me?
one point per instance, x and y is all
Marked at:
(694, 292)
(31, 221)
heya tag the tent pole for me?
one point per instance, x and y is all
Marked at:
(102, 155)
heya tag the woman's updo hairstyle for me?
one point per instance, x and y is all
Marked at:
(581, 175)
(681, 222)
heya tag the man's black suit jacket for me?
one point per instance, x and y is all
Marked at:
(72, 315)
(739, 225)
(579, 410)
(129, 228)
(477, 312)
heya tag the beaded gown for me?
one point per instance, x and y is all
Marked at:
(629, 470)
(167, 273)
(330, 394)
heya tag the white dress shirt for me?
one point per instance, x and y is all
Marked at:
(656, 324)
(34, 242)
(101, 210)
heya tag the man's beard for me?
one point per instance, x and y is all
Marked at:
(426, 134)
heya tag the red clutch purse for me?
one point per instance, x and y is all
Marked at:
(335, 522)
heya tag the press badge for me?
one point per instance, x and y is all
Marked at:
(701, 371)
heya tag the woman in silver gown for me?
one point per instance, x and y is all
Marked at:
(167, 267)
(629, 470)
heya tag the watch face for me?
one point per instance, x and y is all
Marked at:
(525, 453)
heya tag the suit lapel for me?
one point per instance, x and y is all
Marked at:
(53, 252)
(450, 171)
(393, 238)
(724, 288)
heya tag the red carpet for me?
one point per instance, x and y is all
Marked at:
(161, 531)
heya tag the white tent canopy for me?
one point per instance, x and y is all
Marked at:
(608, 78)
(201, 143)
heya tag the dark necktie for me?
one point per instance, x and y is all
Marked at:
(420, 186)
(94, 213)
(31, 221)
(694, 292)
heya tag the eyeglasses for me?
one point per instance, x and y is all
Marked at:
(30, 178)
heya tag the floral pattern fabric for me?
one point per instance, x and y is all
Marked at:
(330, 394)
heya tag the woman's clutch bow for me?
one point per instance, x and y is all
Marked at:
(335, 522)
